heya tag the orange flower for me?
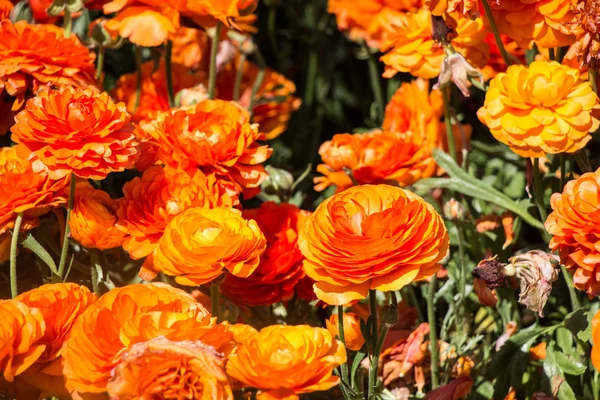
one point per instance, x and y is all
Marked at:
(352, 335)
(596, 341)
(464, 8)
(21, 329)
(496, 63)
(199, 243)
(368, 20)
(168, 369)
(585, 27)
(126, 316)
(34, 55)
(410, 47)
(150, 202)
(573, 224)
(77, 131)
(371, 237)
(93, 219)
(206, 13)
(6, 7)
(541, 109)
(288, 360)
(60, 304)
(214, 135)
(280, 267)
(190, 48)
(542, 22)
(274, 101)
(28, 192)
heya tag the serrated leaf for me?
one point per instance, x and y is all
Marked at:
(460, 181)
(32, 244)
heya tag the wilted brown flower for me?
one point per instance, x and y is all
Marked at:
(586, 27)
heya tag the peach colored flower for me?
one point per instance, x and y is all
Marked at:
(543, 108)
(371, 237)
(191, 48)
(584, 26)
(151, 202)
(353, 337)
(280, 267)
(6, 7)
(288, 360)
(76, 131)
(200, 243)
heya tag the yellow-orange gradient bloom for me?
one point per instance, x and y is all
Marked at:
(33, 194)
(231, 13)
(214, 135)
(352, 335)
(543, 22)
(541, 109)
(126, 316)
(574, 224)
(280, 267)
(6, 7)
(94, 217)
(150, 202)
(368, 20)
(274, 102)
(371, 237)
(464, 8)
(288, 360)
(162, 368)
(199, 243)
(60, 304)
(21, 329)
(79, 131)
(596, 341)
(410, 47)
(34, 55)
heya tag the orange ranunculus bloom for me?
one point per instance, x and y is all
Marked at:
(28, 192)
(274, 102)
(213, 135)
(368, 20)
(60, 304)
(352, 335)
(78, 131)
(573, 224)
(585, 24)
(168, 369)
(496, 63)
(126, 316)
(596, 340)
(544, 108)
(543, 22)
(410, 47)
(6, 7)
(94, 217)
(231, 13)
(21, 329)
(280, 267)
(34, 55)
(153, 97)
(199, 243)
(289, 359)
(464, 8)
(190, 48)
(371, 237)
(150, 202)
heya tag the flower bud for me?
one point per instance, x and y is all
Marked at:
(58, 7)
(279, 180)
(457, 69)
(536, 271)
(453, 210)
(388, 315)
(99, 36)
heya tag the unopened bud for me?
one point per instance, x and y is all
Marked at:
(278, 181)
(454, 211)
(388, 315)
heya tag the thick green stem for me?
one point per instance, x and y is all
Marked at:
(376, 86)
(65, 245)
(138, 81)
(215, 303)
(100, 65)
(94, 271)
(499, 43)
(14, 248)
(68, 22)
(344, 366)
(433, 342)
(572, 292)
(212, 72)
(238, 77)
(448, 122)
(169, 72)
(373, 330)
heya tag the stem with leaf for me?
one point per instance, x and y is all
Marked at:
(14, 244)
(433, 342)
(212, 72)
(65, 245)
(448, 123)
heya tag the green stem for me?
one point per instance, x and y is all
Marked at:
(538, 190)
(373, 329)
(272, 31)
(212, 72)
(463, 275)
(563, 170)
(433, 342)
(551, 54)
(215, 305)
(490, 17)
(376, 85)
(169, 72)
(257, 84)
(311, 77)
(595, 388)
(415, 302)
(14, 247)
(68, 22)
(448, 122)
(138, 81)
(100, 64)
(65, 246)
(94, 271)
(375, 362)
(239, 74)
(572, 291)
(344, 366)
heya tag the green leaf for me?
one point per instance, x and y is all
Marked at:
(576, 321)
(568, 364)
(32, 244)
(564, 339)
(460, 181)
(565, 392)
